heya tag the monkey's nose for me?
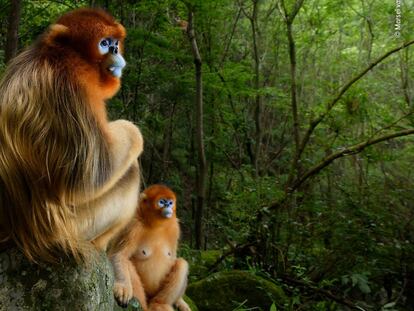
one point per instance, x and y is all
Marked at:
(113, 50)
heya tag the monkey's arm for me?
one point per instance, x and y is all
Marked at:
(137, 287)
(125, 144)
(127, 281)
(123, 285)
(109, 207)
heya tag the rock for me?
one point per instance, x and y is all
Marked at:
(228, 290)
(64, 286)
(209, 257)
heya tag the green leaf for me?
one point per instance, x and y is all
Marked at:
(273, 307)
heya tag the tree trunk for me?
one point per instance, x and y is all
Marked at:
(166, 150)
(258, 98)
(13, 30)
(289, 19)
(202, 163)
(64, 286)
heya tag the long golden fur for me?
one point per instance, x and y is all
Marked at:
(62, 164)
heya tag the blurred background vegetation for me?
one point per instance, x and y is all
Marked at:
(296, 164)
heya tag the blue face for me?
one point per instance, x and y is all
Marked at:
(110, 47)
(166, 206)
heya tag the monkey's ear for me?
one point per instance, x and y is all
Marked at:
(56, 33)
(143, 197)
(120, 30)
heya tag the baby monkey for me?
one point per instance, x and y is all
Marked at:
(145, 256)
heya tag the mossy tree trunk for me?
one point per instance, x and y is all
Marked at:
(64, 286)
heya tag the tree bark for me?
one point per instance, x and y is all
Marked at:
(166, 150)
(289, 19)
(404, 68)
(202, 162)
(13, 30)
(258, 99)
(258, 107)
(64, 286)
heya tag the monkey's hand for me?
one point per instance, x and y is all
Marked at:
(122, 293)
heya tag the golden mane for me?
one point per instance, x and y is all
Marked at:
(51, 151)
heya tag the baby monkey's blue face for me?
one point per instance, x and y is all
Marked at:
(167, 207)
(115, 62)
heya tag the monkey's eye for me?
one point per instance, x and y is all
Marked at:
(104, 45)
(161, 203)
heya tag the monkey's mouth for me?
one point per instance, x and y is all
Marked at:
(167, 212)
(116, 71)
(115, 65)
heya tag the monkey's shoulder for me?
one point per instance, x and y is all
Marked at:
(125, 138)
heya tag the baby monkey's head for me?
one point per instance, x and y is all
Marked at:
(158, 201)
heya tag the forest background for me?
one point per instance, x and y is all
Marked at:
(286, 129)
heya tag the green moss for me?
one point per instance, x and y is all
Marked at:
(201, 262)
(227, 290)
(208, 258)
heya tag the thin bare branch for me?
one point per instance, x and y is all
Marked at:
(354, 149)
(296, 8)
(314, 123)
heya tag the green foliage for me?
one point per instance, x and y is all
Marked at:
(357, 280)
(236, 290)
(348, 230)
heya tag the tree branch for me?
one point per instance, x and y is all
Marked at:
(296, 8)
(320, 291)
(226, 49)
(199, 116)
(354, 149)
(314, 123)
